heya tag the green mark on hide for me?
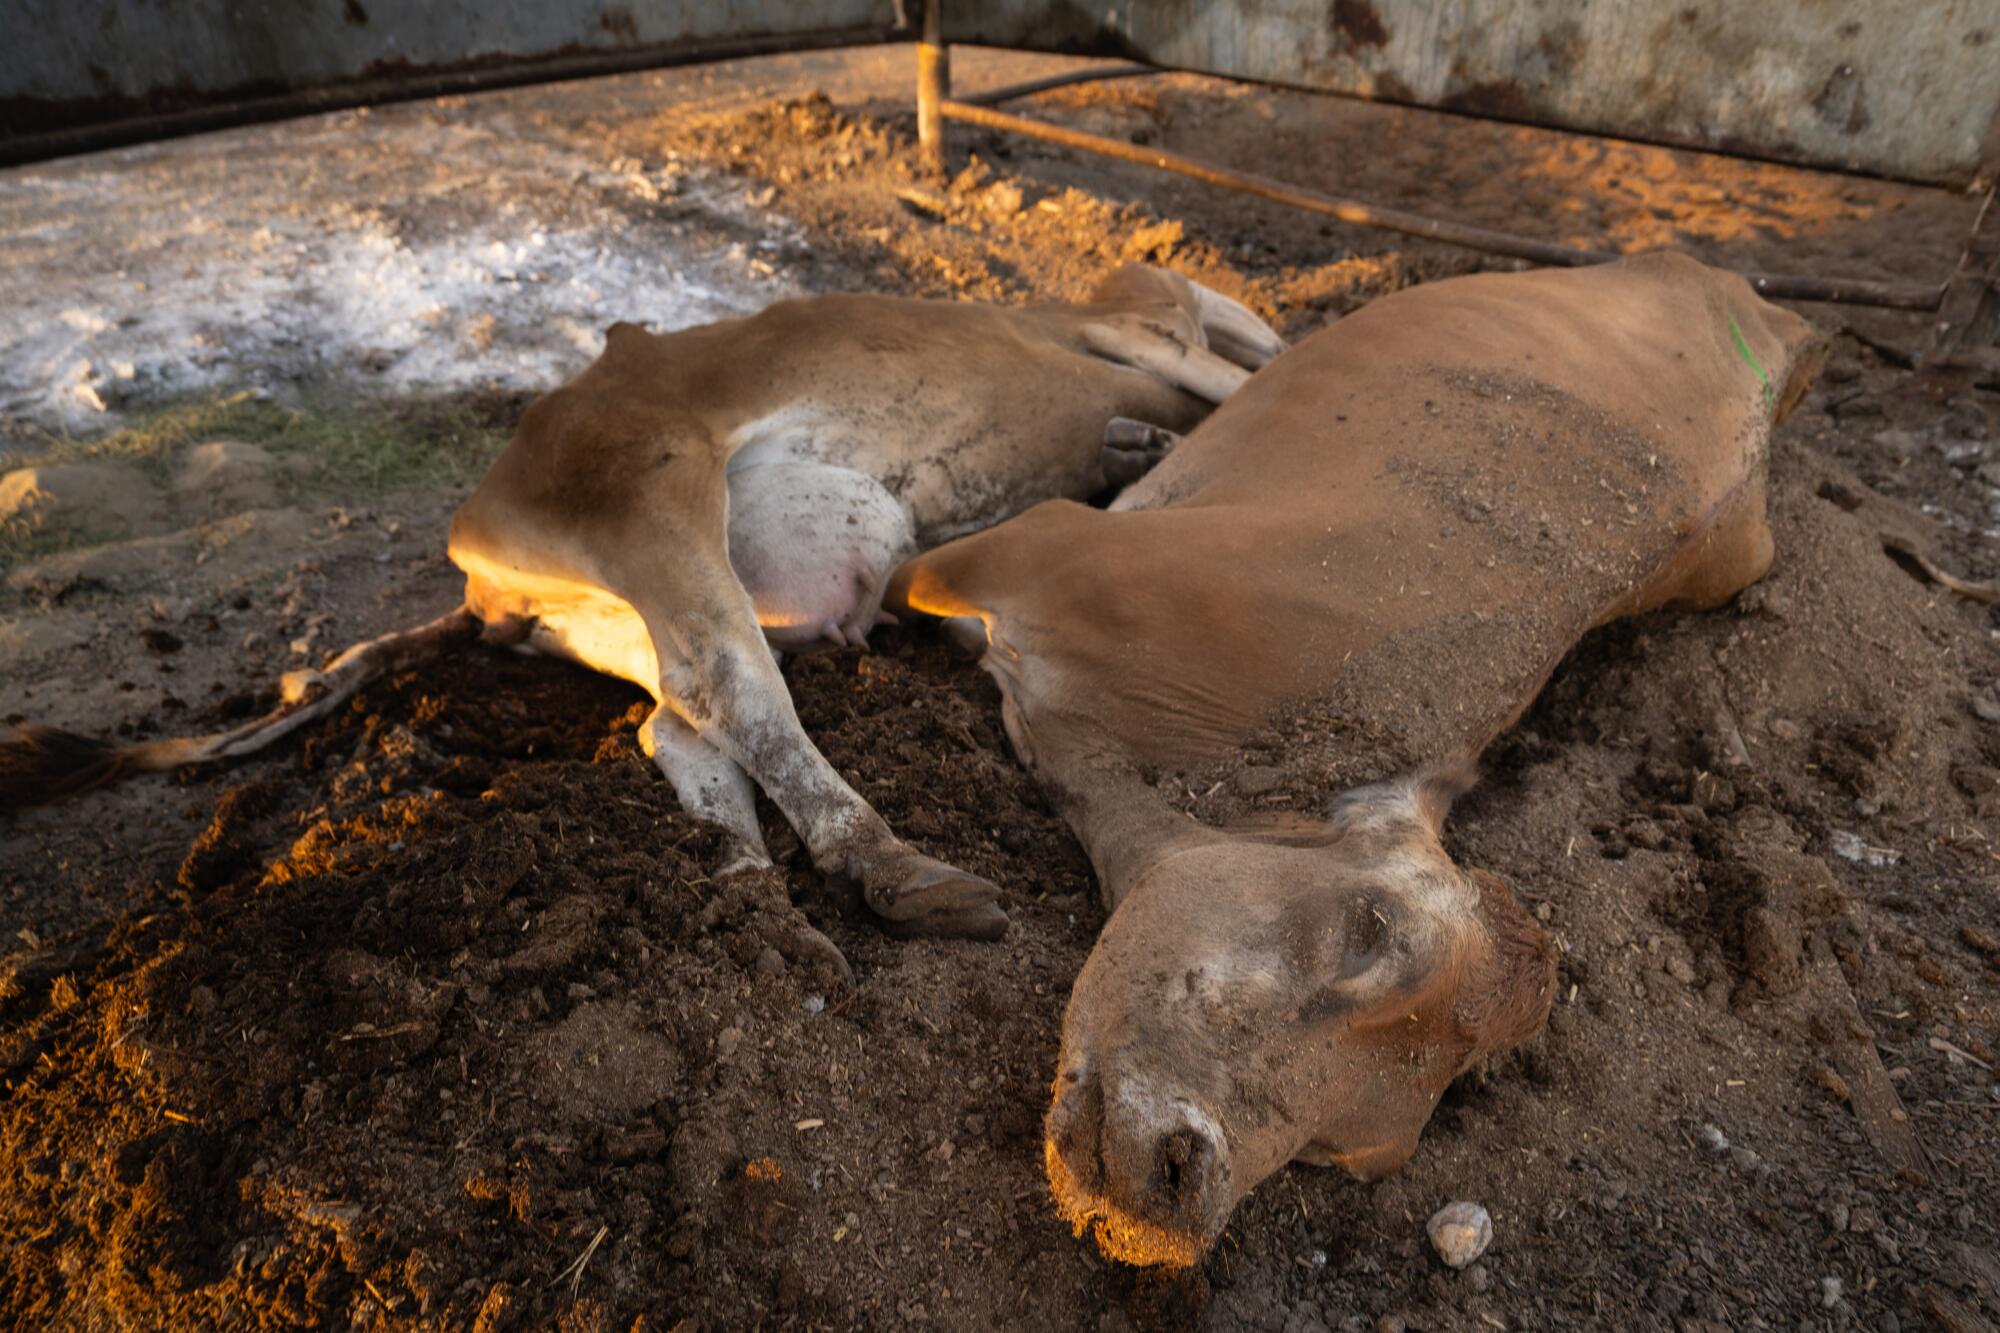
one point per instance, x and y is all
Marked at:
(1750, 359)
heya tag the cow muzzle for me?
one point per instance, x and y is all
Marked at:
(1145, 1171)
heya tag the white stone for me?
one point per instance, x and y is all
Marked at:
(1461, 1232)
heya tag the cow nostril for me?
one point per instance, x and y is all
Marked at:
(1183, 1158)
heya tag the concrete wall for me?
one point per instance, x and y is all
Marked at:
(65, 62)
(1905, 88)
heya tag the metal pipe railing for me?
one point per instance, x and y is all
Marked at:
(976, 110)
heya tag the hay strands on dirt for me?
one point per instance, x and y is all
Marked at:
(1903, 553)
(1870, 1092)
(575, 1270)
(1943, 1047)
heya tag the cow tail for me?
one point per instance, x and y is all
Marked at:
(41, 764)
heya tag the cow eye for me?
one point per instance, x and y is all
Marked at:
(1367, 938)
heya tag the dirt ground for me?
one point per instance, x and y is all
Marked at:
(434, 1019)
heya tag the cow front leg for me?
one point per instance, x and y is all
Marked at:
(724, 683)
(710, 786)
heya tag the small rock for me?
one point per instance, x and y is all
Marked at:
(1712, 1138)
(1986, 709)
(923, 203)
(970, 179)
(1003, 200)
(1461, 1231)
(1829, 1292)
(1480, 1277)
(1156, 242)
(1681, 970)
(1773, 948)
(1257, 779)
(1850, 847)
(814, 1003)
(1746, 1161)
(770, 963)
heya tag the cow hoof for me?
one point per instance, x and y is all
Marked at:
(807, 947)
(916, 895)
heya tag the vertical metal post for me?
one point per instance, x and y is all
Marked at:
(933, 87)
(1964, 313)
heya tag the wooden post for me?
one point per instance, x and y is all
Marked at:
(933, 87)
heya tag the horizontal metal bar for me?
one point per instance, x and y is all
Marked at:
(343, 96)
(1778, 286)
(1028, 88)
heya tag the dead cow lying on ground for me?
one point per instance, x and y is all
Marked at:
(694, 494)
(1389, 537)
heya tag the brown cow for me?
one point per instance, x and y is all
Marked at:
(1388, 537)
(695, 500)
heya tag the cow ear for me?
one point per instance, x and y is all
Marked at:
(1426, 797)
(1436, 789)
(1507, 997)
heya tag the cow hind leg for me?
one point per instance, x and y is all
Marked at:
(712, 787)
(1132, 449)
(730, 690)
(1196, 370)
(717, 673)
(1233, 332)
(709, 784)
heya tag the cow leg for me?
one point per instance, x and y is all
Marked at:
(1233, 331)
(1227, 327)
(1132, 449)
(709, 784)
(729, 689)
(1183, 365)
(717, 674)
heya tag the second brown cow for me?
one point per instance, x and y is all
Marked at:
(1382, 544)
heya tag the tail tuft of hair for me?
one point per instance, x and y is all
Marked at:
(43, 764)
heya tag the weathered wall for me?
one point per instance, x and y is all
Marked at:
(1907, 88)
(74, 61)
(1901, 87)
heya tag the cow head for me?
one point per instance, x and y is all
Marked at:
(1254, 1000)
